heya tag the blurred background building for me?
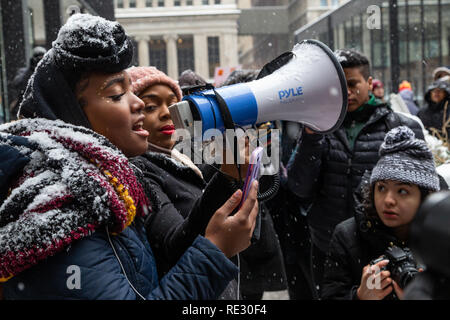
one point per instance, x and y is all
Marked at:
(176, 35)
(404, 39)
(411, 40)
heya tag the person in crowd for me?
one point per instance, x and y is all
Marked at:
(430, 242)
(183, 200)
(240, 76)
(406, 93)
(73, 210)
(23, 75)
(436, 112)
(325, 170)
(386, 204)
(378, 89)
(441, 73)
(189, 78)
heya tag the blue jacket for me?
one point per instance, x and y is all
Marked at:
(116, 267)
(90, 270)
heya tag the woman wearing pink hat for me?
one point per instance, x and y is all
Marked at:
(183, 201)
(378, 89)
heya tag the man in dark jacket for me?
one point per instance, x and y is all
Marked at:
(436, 113)
(325, 170)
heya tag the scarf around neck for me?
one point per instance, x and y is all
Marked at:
(74, 182)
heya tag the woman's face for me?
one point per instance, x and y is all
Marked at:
(378, 92)
(396, 202)
(437, 95)
(157, 99)
(114, 111)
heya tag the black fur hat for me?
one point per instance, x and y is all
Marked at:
(85, 43)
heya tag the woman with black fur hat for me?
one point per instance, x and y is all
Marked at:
(72, 209)
(386, 203)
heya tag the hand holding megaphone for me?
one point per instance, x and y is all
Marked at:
(310, 89)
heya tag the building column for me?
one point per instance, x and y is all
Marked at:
(172, 55)
(201, 63)
(143, 50)
(140, 4)
(229, 50)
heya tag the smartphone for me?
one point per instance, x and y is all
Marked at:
(252, 172)
(252, 175)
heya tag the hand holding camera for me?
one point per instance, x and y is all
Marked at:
(375, 281)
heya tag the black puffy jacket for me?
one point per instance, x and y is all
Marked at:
(325, 171)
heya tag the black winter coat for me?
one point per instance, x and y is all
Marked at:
(432, 115)
(261, 265)
(428, 286)
(181, 210)
(325, 171)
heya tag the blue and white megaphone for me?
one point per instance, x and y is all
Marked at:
(311, 89)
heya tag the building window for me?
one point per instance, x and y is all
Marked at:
(132, 3)
(160, 3)
(335, 2)
(149, 3)
(217, 1)
(185, 50)
(189, 2)
(158, 54)
(119, 3)
(324, 3)
(213, 55)
(205, 2)
(177, 3)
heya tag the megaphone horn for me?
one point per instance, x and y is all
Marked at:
(311, 89)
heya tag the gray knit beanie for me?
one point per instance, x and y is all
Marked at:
(406, 159)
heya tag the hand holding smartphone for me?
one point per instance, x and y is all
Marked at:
(253, 173)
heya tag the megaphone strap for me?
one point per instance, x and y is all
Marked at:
(224, 111)
(229, 124)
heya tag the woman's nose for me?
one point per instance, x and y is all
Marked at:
(137, 105)
(389, 200)
(165, 113)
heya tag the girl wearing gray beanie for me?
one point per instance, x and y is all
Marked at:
(386, 203)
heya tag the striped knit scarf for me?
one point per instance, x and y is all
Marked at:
(75, 182)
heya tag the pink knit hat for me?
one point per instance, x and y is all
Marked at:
(145, 77)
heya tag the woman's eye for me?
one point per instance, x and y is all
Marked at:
(380, 188)
(117, 97)
(149, 108)
(403, 191)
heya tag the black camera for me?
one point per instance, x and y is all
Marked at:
(402, 265)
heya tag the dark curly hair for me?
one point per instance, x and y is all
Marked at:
(350, 58)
